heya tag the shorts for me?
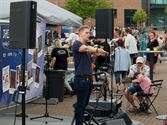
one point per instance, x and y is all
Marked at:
(135, 88)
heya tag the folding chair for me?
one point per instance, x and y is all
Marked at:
(156, 84)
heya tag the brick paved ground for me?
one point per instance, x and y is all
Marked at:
(65, 108)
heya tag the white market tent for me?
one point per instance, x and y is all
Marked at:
(50, 13)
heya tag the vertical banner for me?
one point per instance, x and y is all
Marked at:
(10, 66)
(35, 64)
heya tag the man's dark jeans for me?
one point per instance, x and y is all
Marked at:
(82, 88)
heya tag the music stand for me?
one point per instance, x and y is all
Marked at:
(46, 114)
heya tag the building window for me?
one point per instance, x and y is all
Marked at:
(158, 1)
(115, 13)
(128, 15)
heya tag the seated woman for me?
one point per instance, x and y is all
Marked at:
(145, 88)
(136, 69)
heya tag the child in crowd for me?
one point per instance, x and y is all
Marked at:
(145, 87)
(144, 82)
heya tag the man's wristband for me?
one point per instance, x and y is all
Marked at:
(97, 50)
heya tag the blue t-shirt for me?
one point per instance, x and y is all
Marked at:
(82, 60)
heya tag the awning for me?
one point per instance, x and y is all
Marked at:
(50, 13)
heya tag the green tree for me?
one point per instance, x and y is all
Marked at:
(165, 11)
(86, 8)
(140, 17)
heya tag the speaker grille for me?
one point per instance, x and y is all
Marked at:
(23, 24)
(104, 23)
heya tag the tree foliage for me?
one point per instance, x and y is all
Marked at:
(86, 8)
(140, 16)
(165, 11)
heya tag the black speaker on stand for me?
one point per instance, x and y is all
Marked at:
(23, 24)
(105, 29)
(23, 36)
(104, 23)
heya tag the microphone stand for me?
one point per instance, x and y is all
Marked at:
(112, 61)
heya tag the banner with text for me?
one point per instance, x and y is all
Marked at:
(10, 65)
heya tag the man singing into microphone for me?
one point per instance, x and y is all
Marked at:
(83, 71)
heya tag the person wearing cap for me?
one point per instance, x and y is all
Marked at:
(134, 71)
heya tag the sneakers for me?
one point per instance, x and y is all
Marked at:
(143, 107)
(118, 91)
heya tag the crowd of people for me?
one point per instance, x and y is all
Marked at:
(125, 57)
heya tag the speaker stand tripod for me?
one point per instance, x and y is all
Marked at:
(46, 115)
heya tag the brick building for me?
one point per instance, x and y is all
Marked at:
(125, 9)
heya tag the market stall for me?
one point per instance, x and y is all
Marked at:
(10, 59)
